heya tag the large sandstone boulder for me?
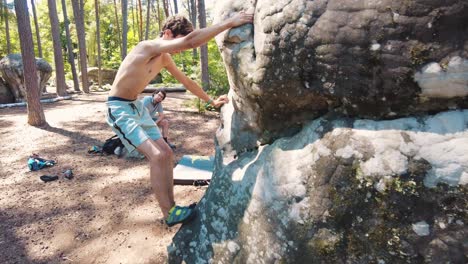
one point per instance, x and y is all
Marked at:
(11, 69)
(367, 58)
(108, 75)
(340, 191)
(345, 138)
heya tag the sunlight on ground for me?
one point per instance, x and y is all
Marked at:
(107, 213)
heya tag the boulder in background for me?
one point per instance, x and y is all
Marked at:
(11, 69)
(108, 75)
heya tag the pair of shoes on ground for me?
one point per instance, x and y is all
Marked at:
(68, 174)
(181, 214)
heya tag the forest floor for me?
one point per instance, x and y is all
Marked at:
(107, 213)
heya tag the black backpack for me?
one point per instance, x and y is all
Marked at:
(111, 144)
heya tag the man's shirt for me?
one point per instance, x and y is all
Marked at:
(153, 109)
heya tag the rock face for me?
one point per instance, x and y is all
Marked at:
(340, 191)
(303, 58)
(345, 138)
(11, 69)
(437, 82)
(6, 96)
(108, 75)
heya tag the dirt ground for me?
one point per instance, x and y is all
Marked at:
(107, 213)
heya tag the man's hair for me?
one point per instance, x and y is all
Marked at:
(179, 25)
(160, 91)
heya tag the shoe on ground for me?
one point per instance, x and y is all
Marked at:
(181, 215)
(68, 174)
(49, 178)
(94, 150)
(201, 182)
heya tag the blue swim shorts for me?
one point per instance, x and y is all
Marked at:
(131, 121)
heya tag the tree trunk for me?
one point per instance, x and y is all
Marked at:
(169, 7)
(58, 57)
(193, 17)
(140, 15)
(159, 15)
(176, 11)
(7, 27)
(38, 37)
(36, 115)
(124, 28)
(205, 77)
(79, 21)
(147, 26)
(71, 59)
(132, 6)
(98, 40)
(166, 8)
(117, 22)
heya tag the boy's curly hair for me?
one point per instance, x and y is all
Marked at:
(179, 25)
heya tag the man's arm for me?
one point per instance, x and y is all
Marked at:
(190, 84)
(160, 117)
(198, 37)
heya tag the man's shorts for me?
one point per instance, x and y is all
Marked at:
(131, 121)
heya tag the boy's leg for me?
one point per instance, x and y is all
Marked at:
(161, 158)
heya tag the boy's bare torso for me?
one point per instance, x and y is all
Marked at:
(136, 71)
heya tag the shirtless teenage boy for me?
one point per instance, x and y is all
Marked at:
(131, 121)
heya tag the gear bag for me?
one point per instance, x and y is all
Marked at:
(111, 144)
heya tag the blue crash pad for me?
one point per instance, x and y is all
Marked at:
(191, 168)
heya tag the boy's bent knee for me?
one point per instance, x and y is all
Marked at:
(156, 151)
(164, 155)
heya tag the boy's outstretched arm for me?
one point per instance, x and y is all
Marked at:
(191, 85)
(201, 36)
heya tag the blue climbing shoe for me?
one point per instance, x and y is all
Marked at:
(181, 215)
(94, 150)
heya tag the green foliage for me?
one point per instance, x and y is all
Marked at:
(110, 46)
(45, 31)
(219, 83)
(186, 63)
(14, 38)
(218, 77)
